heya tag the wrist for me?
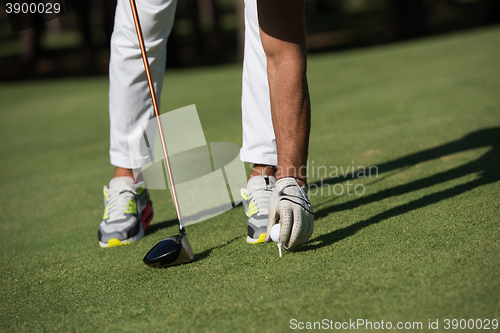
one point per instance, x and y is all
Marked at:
(301, 181)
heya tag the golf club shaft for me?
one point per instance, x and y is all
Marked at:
(157, 111)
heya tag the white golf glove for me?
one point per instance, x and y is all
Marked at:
(290, 206)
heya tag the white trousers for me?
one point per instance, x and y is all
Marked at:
(129, 97)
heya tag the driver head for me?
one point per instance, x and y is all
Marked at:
(171, 251)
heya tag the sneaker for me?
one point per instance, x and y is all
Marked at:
(256, 203)
(127, 212)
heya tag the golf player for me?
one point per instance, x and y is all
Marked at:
(275, 115)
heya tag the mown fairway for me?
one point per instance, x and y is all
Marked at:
(421, 243)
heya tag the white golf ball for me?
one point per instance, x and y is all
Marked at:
(275, 233)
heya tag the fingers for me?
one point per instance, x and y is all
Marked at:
(299, 231)
(286, 222)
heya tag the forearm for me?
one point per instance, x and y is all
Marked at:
(283, 39)
(290, 109)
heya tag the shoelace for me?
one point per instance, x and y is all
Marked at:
(118, 200)
(261, 198)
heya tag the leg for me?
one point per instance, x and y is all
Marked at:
(259, 143)
(129, 100)
(128, 210)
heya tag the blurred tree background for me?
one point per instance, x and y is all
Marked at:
(209, 32)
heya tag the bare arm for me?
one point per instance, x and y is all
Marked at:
(283, 38)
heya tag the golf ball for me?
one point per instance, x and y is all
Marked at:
(275, 233)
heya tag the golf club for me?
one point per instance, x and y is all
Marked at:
(174, 250)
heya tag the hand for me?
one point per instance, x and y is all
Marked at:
(289, 203)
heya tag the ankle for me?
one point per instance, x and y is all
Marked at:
(122, 172)
(263, 170)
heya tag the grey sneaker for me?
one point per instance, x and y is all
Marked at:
(127, 213)
(256, 203)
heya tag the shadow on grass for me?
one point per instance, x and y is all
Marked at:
(205, 254)
(487, 168)
(154, 228)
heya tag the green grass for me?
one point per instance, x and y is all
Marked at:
(421, 243)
